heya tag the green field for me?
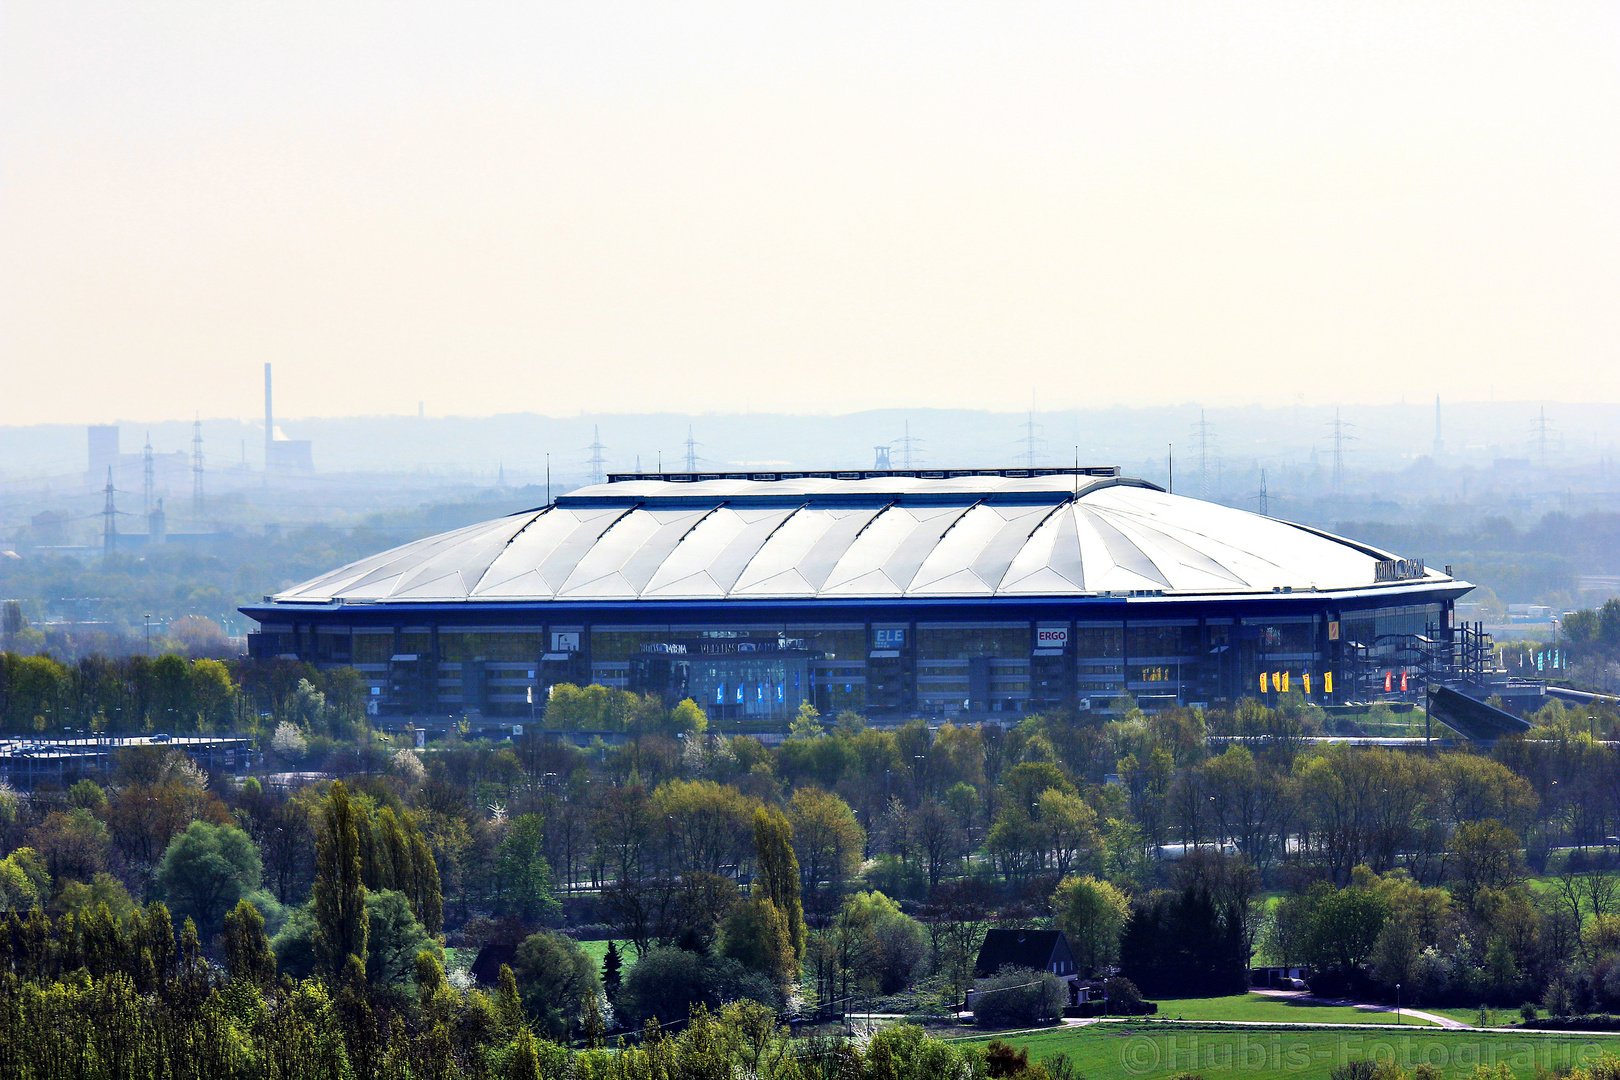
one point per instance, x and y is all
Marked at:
(1152, 1050)
(598, 949)
(1493, 1017)
(1258, 1007)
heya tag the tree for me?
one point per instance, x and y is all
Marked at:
(247, 953)
(884, 947)
(1070, 828)
(205, 870)
(24, 880)
(666, 983)
(806, 723)
(1344, 926)
(394, 939)
(612, 971)
(555, 978)
(1092, 915)
(338, 904)
(1487, 855)
(524, 1063)
(523, 873)
(755, 935)
(708, 824)
(779, 872)
(826, 837)
(689, 719)
(1184, 944)
(72, 843)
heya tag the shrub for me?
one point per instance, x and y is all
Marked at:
(666, 983)
(1019, 997)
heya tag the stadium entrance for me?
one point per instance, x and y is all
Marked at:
(732, 680)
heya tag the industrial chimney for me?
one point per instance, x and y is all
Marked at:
(269, 421)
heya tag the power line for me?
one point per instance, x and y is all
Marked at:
(1204, 432)
(109, 518)
(908, 444)
(196, 468)
(597, 461)
(1339, 439)
(691, 450)
(148, 485)
(1034, 441)
(1540, 426)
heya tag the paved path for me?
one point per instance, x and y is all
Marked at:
(1306, 995)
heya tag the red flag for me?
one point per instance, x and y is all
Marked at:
(1403, 682)
(1389, 681)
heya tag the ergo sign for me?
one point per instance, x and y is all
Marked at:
(1052, 636)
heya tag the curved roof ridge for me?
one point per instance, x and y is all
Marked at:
(935, 540)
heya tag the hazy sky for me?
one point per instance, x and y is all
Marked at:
(819, 207)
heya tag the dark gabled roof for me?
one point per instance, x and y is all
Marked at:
(486, 968)
(1004, 948)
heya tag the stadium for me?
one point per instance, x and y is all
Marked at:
(953, 594)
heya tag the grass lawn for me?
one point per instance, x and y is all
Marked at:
(1151, 1051)
(1241, 1007)
(598, 949)
(1493, 1017)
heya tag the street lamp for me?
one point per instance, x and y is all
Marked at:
(1397, 1003)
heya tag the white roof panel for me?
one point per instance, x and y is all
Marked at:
(888, 536)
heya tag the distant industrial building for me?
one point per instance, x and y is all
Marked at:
(283, 455)
(951, 594)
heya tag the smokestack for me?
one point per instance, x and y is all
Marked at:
(269, 419)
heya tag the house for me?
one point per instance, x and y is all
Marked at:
(1037, 950)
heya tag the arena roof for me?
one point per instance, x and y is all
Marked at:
(1070, 533)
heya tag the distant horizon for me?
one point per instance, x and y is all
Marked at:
(257, 418)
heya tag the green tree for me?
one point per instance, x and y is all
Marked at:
(24, 880)
(689, 719)
(755, 935)
(1487, 855)
(612, 971)
(1092, 915)
(394, 939)
(884, 947)
(826, 838)
(247, 953)
(779, 872)
(524, 874)
(1344, 927)
(524, 1063)
(555, 977)
(338, 903)
(205, 870)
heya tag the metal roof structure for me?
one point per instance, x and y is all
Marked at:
(1063, 534)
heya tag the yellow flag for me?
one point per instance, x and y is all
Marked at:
(1284, 680)
(1307, 677)
(1327, 682)
(1263, 687)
